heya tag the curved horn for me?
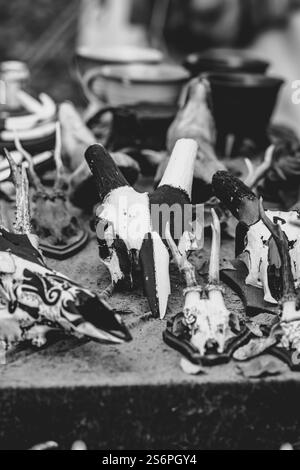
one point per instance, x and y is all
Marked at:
(33, 176)
(22, 223)
(60, 170)
(257, 174)
(13, 167)
(106, 173)
(282, 243)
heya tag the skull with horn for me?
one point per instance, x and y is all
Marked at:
(289, 298)
(205, 316)
(255, 243)
(35, 299)
(131, 226)
(52, 217)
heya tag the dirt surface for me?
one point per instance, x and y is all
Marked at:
(146, 360)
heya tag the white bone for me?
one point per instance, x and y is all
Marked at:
(180, 170)
(128, 212)
(162, 277)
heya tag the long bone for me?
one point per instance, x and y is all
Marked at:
(51, 216)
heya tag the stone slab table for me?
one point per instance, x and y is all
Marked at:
(135, 395)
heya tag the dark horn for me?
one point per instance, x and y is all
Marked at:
(237, 197)
(106, 173)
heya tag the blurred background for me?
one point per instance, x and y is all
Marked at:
(46, 33)
(50, 35)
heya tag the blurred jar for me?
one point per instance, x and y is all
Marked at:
(14, 76)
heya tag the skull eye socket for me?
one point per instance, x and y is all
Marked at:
(71, 229)
(42, 232)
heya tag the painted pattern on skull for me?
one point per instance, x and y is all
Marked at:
(264, 263)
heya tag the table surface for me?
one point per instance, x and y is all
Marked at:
(135, 395)
(144, 361)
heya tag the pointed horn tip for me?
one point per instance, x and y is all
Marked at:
(96, 151)
(216, 226)
(187, 146)
(269, 155)
(220, 176)
(214, 214)
(266, 220)
(162, 315)
(262, 211)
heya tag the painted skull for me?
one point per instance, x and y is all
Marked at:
(130, 226)
(33, 295)
(255, 244)
(35, 299)
(51, 213)
(262, 257)
(209, 329)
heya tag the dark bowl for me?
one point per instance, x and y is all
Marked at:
(243, 104)
(224, 61)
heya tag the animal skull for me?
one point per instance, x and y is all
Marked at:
(262, 257)
(129, 229)
(35, 299)
(289, 302)
(52, 218)
(255, 244)
(205, 314)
